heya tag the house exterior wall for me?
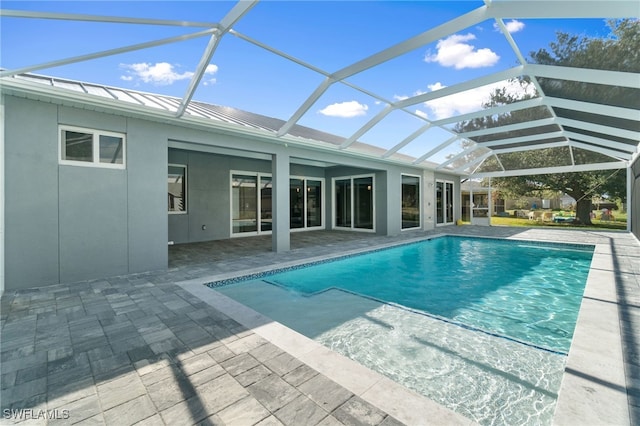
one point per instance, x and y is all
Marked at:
(31, 194)
(68, 223)
(208, 192)
(428, 200)
(146, 196)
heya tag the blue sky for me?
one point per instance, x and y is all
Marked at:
(327, 35)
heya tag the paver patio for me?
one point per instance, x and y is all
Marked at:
(140, 349)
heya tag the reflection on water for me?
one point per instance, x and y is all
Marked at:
(488, 379)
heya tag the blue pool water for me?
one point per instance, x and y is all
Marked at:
(521, 290)
(479, 325)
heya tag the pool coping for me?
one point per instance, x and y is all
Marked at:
(593, 388)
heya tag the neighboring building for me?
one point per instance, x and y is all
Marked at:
(98, 180)
(479, 203)
(533, 203)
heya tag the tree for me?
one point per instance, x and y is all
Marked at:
(620, 52)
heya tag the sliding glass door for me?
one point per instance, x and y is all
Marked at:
(314, 203)
(251, 203)
(363, 202)
(444, 202)
(266, 220)
(410, 202)
(354, 202)
(342, 209)
(244, 203)
(296, 203)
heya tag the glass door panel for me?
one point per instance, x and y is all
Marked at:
(296, 203)
(266, 218)
(363, 202)
(244, 210)
(449, 201)
(343, 202)
(410, 202)
(314, 203)
(439, 202)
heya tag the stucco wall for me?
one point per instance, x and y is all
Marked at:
(67, 223)
(209, 192)
(31, 193)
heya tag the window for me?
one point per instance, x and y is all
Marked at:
(91, 148)
(177, 188)
(410, 202)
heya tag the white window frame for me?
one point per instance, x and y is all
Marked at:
(259, 176)
(333, 203)
(420, 209)
(453, 201)
(186, 188)
(96, 148)
(304, 180)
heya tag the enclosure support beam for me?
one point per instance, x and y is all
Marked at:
(629, 204)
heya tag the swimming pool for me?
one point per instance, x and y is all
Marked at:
(479, 325)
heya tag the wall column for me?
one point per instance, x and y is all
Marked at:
(280, 240)
(393, 195)
(428, 194)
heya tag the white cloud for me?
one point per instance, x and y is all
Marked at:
(453, 51)
(470, 100)
(345, 109)
(513, 26)
(163, 73)
(160, 73)
(422, 114)
(210, 70)
(403, 97)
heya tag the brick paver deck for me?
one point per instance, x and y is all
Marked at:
(140, 349)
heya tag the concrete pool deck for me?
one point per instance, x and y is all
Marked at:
(161, 348)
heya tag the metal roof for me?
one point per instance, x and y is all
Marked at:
(566, 124)
(161, 106)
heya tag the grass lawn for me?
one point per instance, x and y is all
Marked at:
(620, 222)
